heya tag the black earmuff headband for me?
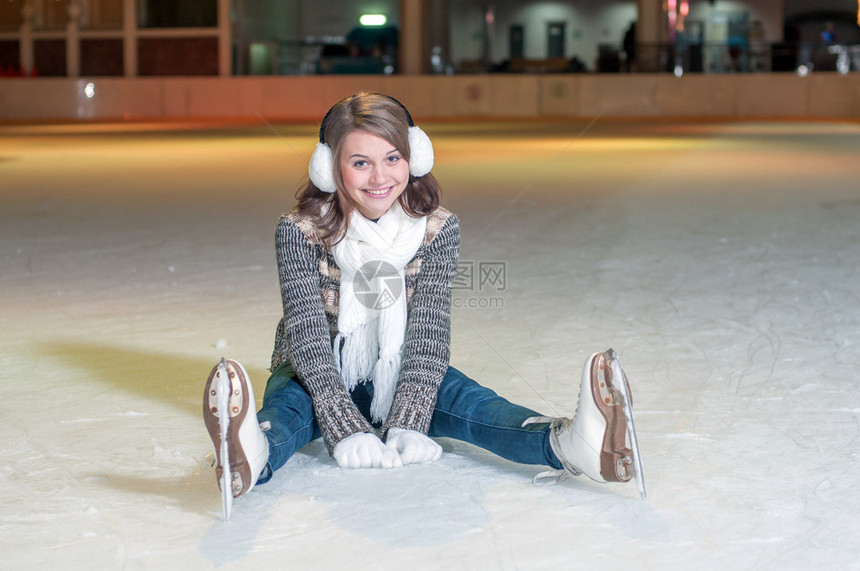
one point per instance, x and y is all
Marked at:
(328, 114)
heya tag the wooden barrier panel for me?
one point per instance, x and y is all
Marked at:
(820, 95)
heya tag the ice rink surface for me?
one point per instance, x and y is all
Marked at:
(721, 260)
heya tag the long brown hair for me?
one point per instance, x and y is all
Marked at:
(384, 117)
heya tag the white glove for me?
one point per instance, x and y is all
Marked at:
(365, 450)
(412, 446)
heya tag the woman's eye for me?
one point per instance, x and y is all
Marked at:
(359, 164)
(393, 158)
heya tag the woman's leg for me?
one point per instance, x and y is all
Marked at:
(469, 412)
(287, 417)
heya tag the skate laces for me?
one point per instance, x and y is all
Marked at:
(537, 420)
(550, 477)
(558, 426)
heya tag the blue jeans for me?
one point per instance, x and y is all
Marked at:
(464, 411)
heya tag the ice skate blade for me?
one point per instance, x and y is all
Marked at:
(224, 391)
(621, 384)
(608, 401)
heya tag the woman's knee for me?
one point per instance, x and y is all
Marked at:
(457, 386)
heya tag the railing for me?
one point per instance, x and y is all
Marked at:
(724, 57)
(279, 57)
(309, 58)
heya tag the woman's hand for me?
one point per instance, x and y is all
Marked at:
(365, 450)
(412, 446)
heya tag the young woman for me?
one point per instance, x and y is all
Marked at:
(366, 262)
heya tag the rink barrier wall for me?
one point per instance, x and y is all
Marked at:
(819, 95)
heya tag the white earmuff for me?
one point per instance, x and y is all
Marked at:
(420, 152)
(321, 168)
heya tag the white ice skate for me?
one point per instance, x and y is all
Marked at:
(600, 441)
(239, 442)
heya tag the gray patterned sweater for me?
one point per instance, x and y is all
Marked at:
(310, 287)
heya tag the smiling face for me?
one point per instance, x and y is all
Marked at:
(374, 172)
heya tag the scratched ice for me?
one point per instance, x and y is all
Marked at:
(720, 260)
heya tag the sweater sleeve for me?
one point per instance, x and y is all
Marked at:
(308, 341)
(427, 347)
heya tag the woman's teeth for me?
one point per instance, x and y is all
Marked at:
(377, 191)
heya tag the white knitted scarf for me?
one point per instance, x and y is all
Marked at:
(371, 318)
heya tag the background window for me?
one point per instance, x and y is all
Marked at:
(178, 13)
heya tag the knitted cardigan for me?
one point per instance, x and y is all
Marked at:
(310, 289)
